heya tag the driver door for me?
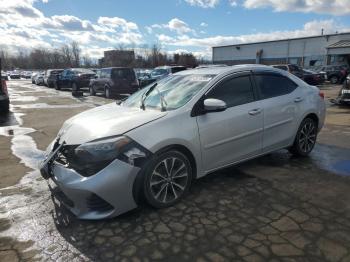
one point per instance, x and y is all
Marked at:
(236, 133)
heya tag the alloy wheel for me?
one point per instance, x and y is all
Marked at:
(307, 137)
(169, 180)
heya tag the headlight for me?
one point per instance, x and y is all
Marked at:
(89, 158)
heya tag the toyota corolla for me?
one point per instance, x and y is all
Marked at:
(152, 145)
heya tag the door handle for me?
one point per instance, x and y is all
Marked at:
(255, 111)
(298, 99)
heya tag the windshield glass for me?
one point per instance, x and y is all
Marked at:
(175, 91)
(159, 72)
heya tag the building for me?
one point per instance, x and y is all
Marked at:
(117, 58)
(305, 51)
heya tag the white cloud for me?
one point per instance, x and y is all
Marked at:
(203, 3)
(203, 24)
(179, 26)
(117, 22)
(334, 7)
(233, 2)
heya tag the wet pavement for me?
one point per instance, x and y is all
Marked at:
(274, 208)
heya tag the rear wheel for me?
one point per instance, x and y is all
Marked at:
(107, 92)
(305, 139)
(92, 91)
(334, 80)
(167, 178)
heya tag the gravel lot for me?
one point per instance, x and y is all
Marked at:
(274, 208)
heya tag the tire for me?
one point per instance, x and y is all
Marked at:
(92, 91)
(57, 87)
(162, 188)
(4, 107)
(334, 80)
(75, 88)
(107, 92)
(305, 138)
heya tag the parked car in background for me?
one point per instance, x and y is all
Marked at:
(291, 68)
(156, 142)
(313, 78)
(113, 81)
(26, 74)
(163, 71)
(15, 75)
(39, 79)
(51, 76)
(4, 75)
(74, 78)
(34, 75)
(144, 77)
(4, 96)
(336, 74)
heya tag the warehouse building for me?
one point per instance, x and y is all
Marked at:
(333, 49)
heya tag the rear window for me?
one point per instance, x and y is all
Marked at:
(123, 73)
(272, 85)
(177, 69)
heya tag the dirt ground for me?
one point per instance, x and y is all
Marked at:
(274, 208)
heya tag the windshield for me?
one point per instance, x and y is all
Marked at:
(175, 91)
(159, 72)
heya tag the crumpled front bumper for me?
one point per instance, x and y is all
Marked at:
(106, 194)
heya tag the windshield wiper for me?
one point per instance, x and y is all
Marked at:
(144, 96)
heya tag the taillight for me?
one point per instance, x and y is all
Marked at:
(321, 94)
(4, 86)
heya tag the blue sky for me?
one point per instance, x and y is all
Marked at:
(176, 25)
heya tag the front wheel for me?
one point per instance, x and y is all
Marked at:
(57, 87)
(334, 80)
(167, 178)
(75, 87)
(305, 139)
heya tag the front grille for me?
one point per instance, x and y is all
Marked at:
(95, 203)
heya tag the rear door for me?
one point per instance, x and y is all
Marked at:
(281, 100)
(236, 133)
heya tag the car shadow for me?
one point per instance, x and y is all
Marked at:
(221, 210)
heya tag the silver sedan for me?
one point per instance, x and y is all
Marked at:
(152, 145)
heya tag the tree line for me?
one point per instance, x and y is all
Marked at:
(70, 56)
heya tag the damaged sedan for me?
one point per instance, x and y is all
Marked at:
(153, 144)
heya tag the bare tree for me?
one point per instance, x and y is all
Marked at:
(75, 53)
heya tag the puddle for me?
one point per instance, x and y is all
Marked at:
(342, 167)
(44, 105)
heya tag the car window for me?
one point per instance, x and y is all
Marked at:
(177, 69)
(174, 91)
(234, 92)
(105, 73)
(294, 68)
(272, 85)
(285, 68)
(123, 73)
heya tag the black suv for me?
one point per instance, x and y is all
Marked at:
(73, 78)
(113, 81)
(336, 74)
(51, 76)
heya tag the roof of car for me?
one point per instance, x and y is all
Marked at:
(224, 69)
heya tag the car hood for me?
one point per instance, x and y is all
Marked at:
(105, 121)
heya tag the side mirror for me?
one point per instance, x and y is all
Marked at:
(214, 105)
